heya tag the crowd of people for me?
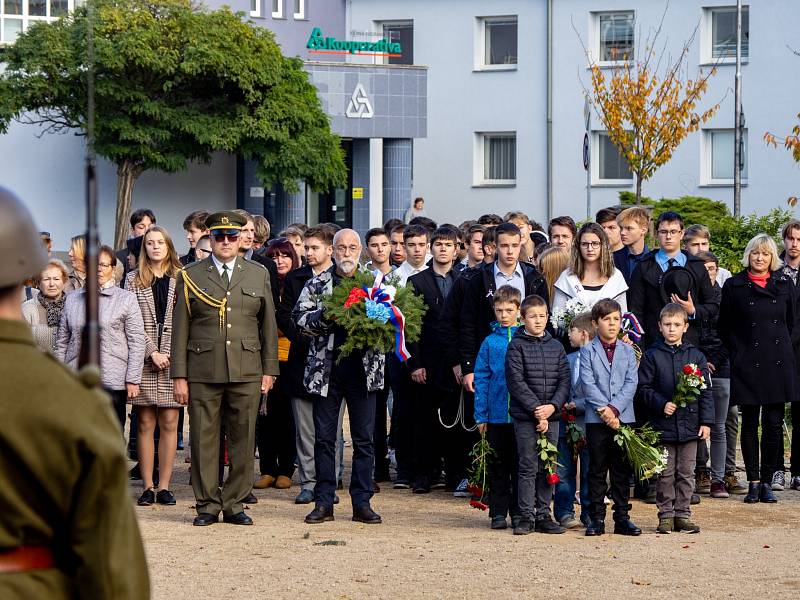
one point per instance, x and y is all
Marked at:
(490, 360)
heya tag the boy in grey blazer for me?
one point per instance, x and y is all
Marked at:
(608, 373)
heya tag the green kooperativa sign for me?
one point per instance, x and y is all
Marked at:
(319, 44)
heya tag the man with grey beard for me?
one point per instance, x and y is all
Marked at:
(331, 379)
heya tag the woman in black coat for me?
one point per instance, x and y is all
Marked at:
(756, 324)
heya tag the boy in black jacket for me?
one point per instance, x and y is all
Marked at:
(538, 378)
(680, 426)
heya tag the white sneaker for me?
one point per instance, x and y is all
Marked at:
(795, 485)
(461, 490)
(778, 481)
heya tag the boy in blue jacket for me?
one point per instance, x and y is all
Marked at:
(680, 427)
(491, 408)
(581, 332)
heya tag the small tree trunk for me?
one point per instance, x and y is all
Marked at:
(127, 174)
(638, 190)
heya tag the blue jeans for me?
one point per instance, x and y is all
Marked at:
(564, 497)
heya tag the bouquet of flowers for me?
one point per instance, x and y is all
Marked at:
(576, 438)
(641, 447)
(478, 483)
(548, 453)
(563, 316)
(375, 315)
(631, 328)
(690, 382)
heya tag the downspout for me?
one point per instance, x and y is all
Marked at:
(549, 175)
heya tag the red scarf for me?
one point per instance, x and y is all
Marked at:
(759, 280)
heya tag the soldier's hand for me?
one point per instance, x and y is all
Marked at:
(267, 381)
(180, 389)
(133, 390)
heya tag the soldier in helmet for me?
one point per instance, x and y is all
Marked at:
(67, 528)
(224, 355)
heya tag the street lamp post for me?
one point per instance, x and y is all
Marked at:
(737, 131)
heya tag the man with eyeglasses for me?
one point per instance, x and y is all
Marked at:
(224, 357)
(331, 379)
(646, 296)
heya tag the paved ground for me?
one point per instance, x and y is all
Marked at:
(434, 546)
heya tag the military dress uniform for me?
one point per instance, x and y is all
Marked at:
(224, 339)
(67, 528)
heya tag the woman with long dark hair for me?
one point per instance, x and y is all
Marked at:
(275, 425)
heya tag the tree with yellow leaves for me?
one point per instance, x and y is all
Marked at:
(648, 113)
(792, 143)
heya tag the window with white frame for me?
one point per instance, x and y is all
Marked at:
(615, 36)
(255, 8)
(496, 158)
(400, 32)
(718, 156)
(277, 9)
(721, 33)
(299, 12)
(610, 167)
(17, 15)
(497, 43)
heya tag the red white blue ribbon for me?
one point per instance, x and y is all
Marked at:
(382, 295)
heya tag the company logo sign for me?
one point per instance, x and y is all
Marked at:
(360, 107)
(319, 44)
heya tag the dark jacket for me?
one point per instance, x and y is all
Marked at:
(711, 345)
(758, 326)
(645, 298)
(659, 370)
(272, 269)
(429, 352)
(624, 265)
(451, 316)
(298, 351)
(537, 373)
(477, 312)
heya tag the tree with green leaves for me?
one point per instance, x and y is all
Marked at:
(173, 83)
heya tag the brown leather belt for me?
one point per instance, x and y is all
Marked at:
(26, 558)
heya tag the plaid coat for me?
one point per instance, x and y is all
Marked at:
(309, 316)
(156, 386)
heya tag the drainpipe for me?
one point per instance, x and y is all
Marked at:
(549, 175)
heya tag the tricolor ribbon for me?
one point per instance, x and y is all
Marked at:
(385, 295)
(631, 326)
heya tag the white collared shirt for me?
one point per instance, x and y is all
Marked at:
(404, 271)
(218, 264)
(516, 280)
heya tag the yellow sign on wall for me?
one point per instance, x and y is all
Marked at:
(358, 193)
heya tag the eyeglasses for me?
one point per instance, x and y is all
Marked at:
(348, 249)
(203, 250)
(104, 265)
(222, 236)
(592, 245)
(669, 232)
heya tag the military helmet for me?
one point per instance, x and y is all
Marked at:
(21, 247)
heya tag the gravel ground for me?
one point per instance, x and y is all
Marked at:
(435, 546)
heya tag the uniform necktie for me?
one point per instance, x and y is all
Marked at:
(225, 277)
(671, 263)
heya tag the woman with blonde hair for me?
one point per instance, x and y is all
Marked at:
(153, 283)
(591, 275)
(43, 311)
(77, 257)
(756, 323)
(551, 263)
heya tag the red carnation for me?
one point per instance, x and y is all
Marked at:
(553, 478)
(475, 490)
(571, 418)
(355, 296)
(688, 370)
(478, 504)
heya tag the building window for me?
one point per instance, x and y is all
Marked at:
(497, 43)
(17, 15)
(615, 35)
(496, 158)
(718, 156)
(277, 9)
(299, 10)
(723, 32)
(255, 8)
(401, 32)
(610, 167)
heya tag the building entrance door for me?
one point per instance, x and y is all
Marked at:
(336, 206)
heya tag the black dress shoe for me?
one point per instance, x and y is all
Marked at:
(147, 498)
(753, 493)
(239, 518)
(596, 528)
(320, 514)
(203, 519)
(421, 486)
(626, 527)
(165, 497)
(365, 514)
(250, 499)
(766, 495)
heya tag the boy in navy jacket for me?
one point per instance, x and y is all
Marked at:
(491, 408)
(680, 427)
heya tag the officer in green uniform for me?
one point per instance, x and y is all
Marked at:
(67, 528)
(224, 356)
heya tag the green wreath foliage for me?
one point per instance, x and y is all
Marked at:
(364, 333)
